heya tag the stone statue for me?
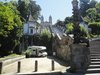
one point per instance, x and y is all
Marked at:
(76, 17)
(76, 21)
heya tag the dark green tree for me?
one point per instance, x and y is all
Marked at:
(84, 6)
(23, 8)
(68, 20)
(60, 23)
(95, 26)
(97, 6)
(26, 7)
(35, 9)
(93, 18)
(93, 14)
(92, 3)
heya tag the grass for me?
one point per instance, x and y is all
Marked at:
(11, 56)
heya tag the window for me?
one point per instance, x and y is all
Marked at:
(31, 31)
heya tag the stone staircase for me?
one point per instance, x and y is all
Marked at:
(94, 67)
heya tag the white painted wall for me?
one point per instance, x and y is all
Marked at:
(25, 28)
(28, 26)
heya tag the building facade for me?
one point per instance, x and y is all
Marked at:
(46, 24)
(30, 27)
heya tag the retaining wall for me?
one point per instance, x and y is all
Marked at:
(61, 45)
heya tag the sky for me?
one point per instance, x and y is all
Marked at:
(58, 9)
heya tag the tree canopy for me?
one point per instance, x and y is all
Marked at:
(84, 6)
(26, 7)
(10, 28)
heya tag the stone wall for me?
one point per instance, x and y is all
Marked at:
(78, 55)
(61, 45)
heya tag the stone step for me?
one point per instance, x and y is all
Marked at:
(98, 49)
(95, 60)
(94, 66)
(67, 73)
(91, 45)
(95, 50)
(94, 43)
(95, 57)
(94, 47)
(95, 63)
(95, 54)
(80, 74)
(93, 74)
(93, 70)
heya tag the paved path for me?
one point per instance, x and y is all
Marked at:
(27, 65)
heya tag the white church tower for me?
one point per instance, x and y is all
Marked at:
(50, 20)
(46, 23)
(42, 19)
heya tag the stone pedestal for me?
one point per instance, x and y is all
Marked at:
(80, 58)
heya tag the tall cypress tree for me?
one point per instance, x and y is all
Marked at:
(84, 5)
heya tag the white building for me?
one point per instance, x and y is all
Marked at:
(30, 27)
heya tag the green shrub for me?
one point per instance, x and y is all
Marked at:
(28, 53)
(69, 29)
(45, 37)
(84, 33)
(46, 40)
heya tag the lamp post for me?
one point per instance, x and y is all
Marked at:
(76, 17)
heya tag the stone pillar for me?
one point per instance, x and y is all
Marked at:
(80, 58)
